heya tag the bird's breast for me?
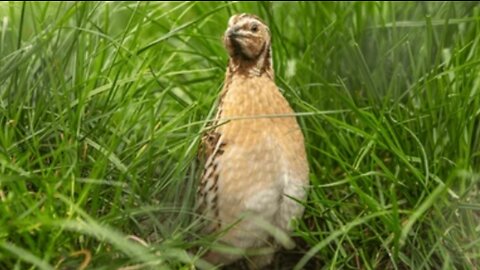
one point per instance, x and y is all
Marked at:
(260, 140)
(254, 112)
(263, 147)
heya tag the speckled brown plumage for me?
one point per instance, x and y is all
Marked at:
(254, 152)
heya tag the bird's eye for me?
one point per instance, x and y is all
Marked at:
(254, 28)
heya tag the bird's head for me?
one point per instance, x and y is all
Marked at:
(248, 39)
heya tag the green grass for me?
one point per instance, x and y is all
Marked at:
(102, 106)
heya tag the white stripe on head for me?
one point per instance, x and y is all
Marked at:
(244, 18)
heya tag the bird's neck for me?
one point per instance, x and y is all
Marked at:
(261, 66)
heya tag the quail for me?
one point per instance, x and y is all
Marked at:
(255, 172)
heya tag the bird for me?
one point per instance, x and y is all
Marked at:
(255, 168)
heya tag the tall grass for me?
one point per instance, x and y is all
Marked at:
(102, 106)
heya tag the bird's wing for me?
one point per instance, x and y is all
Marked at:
(211, 147)
(207, 197)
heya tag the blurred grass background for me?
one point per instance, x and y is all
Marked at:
(102, 105)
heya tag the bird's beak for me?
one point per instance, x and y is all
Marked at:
(233, 32)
